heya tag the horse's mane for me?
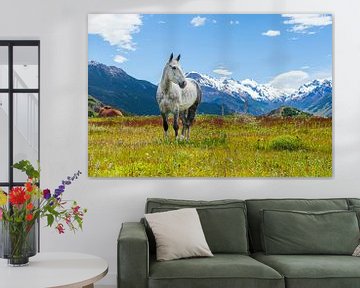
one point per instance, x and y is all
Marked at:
(168, 82)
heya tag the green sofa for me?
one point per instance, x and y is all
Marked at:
(233, 230)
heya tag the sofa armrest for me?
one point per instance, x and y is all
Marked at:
(133, 256)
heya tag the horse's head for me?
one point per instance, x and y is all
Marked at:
(174, 72)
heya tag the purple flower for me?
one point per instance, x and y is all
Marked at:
(68, 181)
(58, 192)
(46, 194)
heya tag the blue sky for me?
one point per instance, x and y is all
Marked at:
(285, 50)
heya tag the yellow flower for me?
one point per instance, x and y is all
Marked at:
(3, 198)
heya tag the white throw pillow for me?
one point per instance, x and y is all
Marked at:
(178, 234)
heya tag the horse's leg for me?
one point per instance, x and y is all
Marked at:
(190, 119)
(192, 110)
(183, 120)
(176, 123)
(188, 132)
(165, 124)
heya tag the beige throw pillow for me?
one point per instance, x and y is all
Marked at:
(357, 251)
(178, 234)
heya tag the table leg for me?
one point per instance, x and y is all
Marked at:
(89, 286)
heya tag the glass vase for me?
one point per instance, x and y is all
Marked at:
(18, 242)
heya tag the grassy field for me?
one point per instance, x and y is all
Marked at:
(230, 146)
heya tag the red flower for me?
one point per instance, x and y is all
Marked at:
(29, 186)
(27, 196)
(75, 209)
(60, 228)
(29, 206)
(17, 196)
(29, 217)
(68, 219)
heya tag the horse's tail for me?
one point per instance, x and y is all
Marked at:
(192, 110)
(199, 94)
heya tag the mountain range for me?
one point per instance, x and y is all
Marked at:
(113, 86)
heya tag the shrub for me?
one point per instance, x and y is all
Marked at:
(91, 114)
(286, 142)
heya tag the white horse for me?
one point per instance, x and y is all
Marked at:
(177, 95)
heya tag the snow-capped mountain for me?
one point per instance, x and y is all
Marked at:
(310, 87)
(113, 86)
(260, 92)
(314, 97)
(248, 96)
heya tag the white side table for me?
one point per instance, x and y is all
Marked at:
(50, 270)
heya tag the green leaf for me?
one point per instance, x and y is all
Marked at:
(79, 221)
(53, 211)
(50, 219)
(26, 167)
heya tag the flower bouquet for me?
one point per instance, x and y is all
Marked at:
(21, 208)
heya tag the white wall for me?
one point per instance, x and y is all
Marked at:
(62, 28)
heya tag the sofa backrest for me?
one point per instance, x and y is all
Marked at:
(256, 205)
(223, 221)
(353, 202)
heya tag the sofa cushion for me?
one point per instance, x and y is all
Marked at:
(354, 205)
(178, 234)
(223, 221)
(254, 206)
(297, 232)
(313, 271)
(356, 209)
(222, 270)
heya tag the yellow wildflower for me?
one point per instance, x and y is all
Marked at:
(3, 198)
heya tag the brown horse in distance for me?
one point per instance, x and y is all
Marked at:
(107, 111)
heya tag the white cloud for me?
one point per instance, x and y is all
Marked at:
(120, 59)
(222, 71)
(117, 29)
(214, 21)
(305, 67)
(198, 21)
(290, 81)
(161, 22)
(301, 23)
(234, 22)
(325, 74)
(271, 33)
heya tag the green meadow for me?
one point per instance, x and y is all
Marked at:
(228, 146)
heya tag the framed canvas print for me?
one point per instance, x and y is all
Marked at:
(215, 95)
